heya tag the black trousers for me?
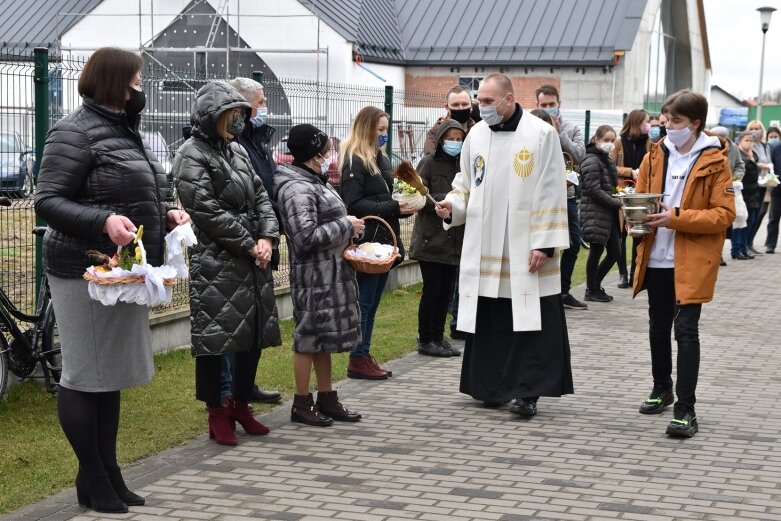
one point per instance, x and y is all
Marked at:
(775, 216)
(438, 281)
(595, 270)
(208, 376)
(622, 255)
(665, 316)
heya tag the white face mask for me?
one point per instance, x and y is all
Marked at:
(607, 147)
(326, 164)
(679, 137)
(489, 114)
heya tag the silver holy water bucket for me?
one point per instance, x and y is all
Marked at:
(636, 207)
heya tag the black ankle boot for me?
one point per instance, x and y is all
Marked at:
(304, 411)
(130, 498)
(328, 403)
(98, 494)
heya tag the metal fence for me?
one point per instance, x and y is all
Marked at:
(170, 95)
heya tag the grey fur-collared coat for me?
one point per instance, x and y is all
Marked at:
(323, 284)
(232, 303)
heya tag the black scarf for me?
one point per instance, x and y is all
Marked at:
(321, 176)
(634, 150)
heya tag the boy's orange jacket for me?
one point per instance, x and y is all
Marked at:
(707, 209)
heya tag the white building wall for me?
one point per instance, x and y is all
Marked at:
(700, 74)
(279, 25)
(635, 61)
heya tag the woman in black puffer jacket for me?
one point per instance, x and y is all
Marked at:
(232, 304)
(599, 211)
(367, 186)
(98, 182)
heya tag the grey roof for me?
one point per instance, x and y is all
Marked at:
(25, 24)
(512, 32)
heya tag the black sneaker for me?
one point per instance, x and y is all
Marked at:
(597, 295)
(683, 425)
(571, 302)
(444, 343)
(524, 407)
(455, 334)
(657, 401)
(432, 349)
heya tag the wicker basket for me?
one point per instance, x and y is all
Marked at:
(129, 279)
(373, 266)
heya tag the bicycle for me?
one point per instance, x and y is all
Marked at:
(21, 350)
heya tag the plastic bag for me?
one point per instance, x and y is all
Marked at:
(741, 211)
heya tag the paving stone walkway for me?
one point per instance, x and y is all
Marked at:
(424, 451)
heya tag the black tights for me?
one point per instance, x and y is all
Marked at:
(595, 270)
(90, 421)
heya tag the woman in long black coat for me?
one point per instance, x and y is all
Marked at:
(322, 283)
(232, 304)
(599, 211)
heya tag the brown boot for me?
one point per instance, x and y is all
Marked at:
(328, 403)
(377, 366)
(362, 367)
(221, 426)
(241, 413)
(304, 411)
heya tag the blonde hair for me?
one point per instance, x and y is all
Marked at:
(759, 124)
(362, 141)
(223, 121)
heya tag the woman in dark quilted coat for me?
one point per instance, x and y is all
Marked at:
(438, 251)
(232, 304)
(323, 285)
(98, 182)
(599, 211)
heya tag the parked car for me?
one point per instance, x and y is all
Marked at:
(164, 155)
(16, 166)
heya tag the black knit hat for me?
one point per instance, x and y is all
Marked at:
(305, 142)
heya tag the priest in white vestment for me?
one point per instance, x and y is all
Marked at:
(511, 195)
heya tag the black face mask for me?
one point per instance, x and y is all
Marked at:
(461, 115)
(136, 103)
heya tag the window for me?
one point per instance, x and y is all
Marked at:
(471, 83)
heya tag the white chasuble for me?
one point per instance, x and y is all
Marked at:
(511, 195)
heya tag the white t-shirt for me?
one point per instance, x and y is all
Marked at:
(678, 168)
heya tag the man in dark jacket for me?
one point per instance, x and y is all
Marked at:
(256, 140)
(459, 107)
(571, 140)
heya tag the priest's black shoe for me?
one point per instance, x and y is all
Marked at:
(432, 349)
(683, 425)
(493, 405)
(657, 401)
(449, 347)
(623, 283)
(524, 407)
(262, 396)
(571, 302)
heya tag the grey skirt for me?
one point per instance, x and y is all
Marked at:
(104, 348)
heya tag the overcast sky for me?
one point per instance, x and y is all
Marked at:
(735, 38)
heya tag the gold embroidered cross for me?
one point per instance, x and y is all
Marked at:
(524, 155)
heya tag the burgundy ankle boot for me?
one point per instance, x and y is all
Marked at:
(328, 403)
(304, 411)
(362, 367)
(221, 425)
(241, 413)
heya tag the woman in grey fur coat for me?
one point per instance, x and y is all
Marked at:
(323, 285)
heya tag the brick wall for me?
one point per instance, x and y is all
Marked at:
(438, 84)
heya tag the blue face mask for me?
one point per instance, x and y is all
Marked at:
(774, 142)
(452, 148)
(260, 118)
(552, 111)
(654, 132)
(382, 139)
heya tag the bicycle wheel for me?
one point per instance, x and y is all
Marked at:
(52, 361)
(4, 375)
